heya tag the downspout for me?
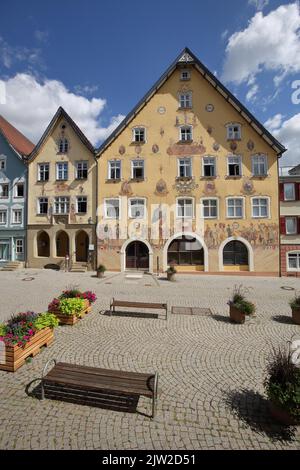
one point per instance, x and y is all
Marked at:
(279, 231)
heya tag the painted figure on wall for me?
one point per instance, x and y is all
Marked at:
(262, 235)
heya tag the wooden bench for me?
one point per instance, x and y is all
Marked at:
(97, 387)
(144, 305)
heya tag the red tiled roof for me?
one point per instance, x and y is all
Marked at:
(16, 139)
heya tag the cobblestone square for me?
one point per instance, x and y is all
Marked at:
(211, 372)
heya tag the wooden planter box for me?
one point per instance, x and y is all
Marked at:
(72, 319)
(15, 355)
(296, 315)
(236, 316)
(282, 416)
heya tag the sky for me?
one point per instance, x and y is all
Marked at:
(98, 58)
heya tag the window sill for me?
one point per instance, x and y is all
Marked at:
(134, 142)
(186, 108)
(182, 142)
(111, 180)
(230, 177)
(42, 181)
(259, 177)
(61, 181)
(136, 180)
(238, 139)
(80, 179)
(208, 177)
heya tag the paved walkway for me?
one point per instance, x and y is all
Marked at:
(210, 372)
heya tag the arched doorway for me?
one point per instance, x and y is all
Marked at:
(235, 255)
(62, 244)
(82, 246)
(43, 245)
(185, 251)
(137, 256)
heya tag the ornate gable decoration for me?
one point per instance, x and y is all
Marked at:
(185, 186)
(186, 58)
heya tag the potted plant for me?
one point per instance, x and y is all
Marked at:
(282, 386)
(101, 270)
(295, 306)
(71, 305)
(171, 271)
(23, 336)
(239, 306)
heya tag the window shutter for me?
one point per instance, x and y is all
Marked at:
(281, 191)
(297, 187)
(298, 226)
(282, 226)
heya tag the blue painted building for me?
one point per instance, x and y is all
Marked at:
(14, 147)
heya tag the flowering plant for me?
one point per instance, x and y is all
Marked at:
(90, 296)
(21, 327)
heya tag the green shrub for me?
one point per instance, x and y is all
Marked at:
(248, 308)
(3, 330)
(295, 303)
(282, 384)
(239, 300)
(101, 268)
(171, 270)
(45, 320)
(72, 306)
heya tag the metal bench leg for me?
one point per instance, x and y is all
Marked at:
(154, 396)
(43, 375)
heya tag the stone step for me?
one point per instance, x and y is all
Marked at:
(12, 266)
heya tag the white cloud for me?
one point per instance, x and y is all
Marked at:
(85, 89)
(251, 95)
(41, 36)
(31, 104)
(288, 133)
(270, 42)
(224, 34)
(274, 122)
(10, 55)
(259, 4)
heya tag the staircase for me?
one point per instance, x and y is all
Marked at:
(78, 268)
(12, 266)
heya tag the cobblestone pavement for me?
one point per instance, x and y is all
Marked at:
(211, 372)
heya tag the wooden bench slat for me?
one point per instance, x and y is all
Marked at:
(113, 387)
(107, 372)
(121, 303)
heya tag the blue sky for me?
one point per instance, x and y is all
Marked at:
(98, 58)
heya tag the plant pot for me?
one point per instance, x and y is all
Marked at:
(171, 276)
(282, 416)
(236, 316)
(72, 319)
(100, 274)
(296, 315)
(15, 356)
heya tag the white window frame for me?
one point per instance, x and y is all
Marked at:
(65, 165)
(19, 183)
(17, 247)
(294, 190)
(66, 202)
(243, 207)
(177, 207)
(39, 171)
(267, 198)
(297, 269)
(3, 160)
(4, 197)
(239, 157)
(296, 231)
(82, 163)
(64, 143)
(185, 159)
(106, 200)
(4, 211)
(110, 162)
(184, 128)
(187, 77)
(13, 216)
(129, 207)
(135, 133)
(39, 205)
(209, 157)
(202, 200)
(133, 162)
(86, 199)
(185, 99)
(231, 133)
(264, 163)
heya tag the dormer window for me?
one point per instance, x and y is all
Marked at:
(2, 163)
(185, 100)
(233, 131)
(186, 134)
(139, 134)
(63, 146)
(185, 75)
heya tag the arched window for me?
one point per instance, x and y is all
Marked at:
(235, 253)
(63, 146)
(43, 245)
(186, 251)
(62, 244)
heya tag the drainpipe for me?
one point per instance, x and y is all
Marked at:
(278, 196)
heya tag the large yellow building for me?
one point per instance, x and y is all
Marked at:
(189, 178)
(62, 182)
